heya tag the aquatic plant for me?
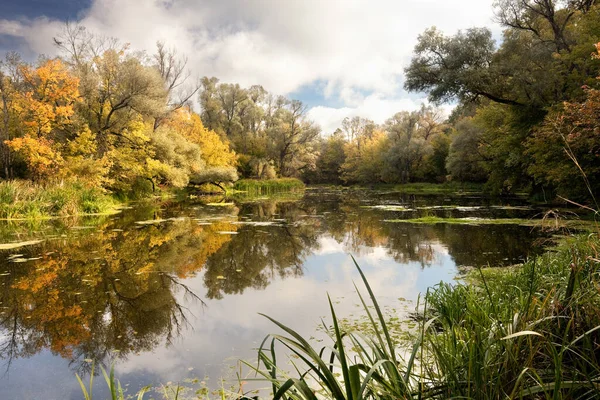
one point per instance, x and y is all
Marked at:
(268, 186)
(367, 366)
(114, 386)
(531, 332)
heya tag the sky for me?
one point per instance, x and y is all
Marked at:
(341, 57)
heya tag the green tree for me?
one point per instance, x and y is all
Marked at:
(411, 137)
(465, 162)
(290, 137)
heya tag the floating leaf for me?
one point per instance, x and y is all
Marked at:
(150, 222)
(16, 245)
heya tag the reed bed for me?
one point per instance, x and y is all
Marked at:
(257, 187)
(532, 332)
(26, 200)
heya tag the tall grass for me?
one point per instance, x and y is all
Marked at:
(25, 200)
(532, 332)
(268, 186)
(355, 366)
(527, 333)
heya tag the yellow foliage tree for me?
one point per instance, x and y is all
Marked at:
(82, 163)
(45, 106)
(215, 152)
(48, 103)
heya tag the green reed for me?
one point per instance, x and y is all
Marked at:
(268, 186)
(524, 333)
(114, 386)
(26, 200)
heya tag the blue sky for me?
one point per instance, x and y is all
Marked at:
(60, 9)
(341, 57)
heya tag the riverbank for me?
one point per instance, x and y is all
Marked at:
(418, 188)
(26, 200)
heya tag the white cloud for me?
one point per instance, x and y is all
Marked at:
(357, 48)
(375, 107)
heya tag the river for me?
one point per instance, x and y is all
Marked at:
(172, 291)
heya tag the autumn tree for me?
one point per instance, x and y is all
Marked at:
(44, 108)
(291, 136)
(136, 110)
(218, 160)
(173, 70)
(364, 158)
(270, 134)
(566, 148)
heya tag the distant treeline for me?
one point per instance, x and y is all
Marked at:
(527, 115)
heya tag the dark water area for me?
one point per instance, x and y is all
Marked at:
(173, 292)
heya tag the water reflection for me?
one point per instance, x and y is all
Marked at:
(102, 294)
(120, 286)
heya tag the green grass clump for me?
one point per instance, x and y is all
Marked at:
(268, 186)
(26, 200)
(440, 188)
(530, 332)
(523, 333)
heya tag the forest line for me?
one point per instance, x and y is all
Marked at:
(104, 115)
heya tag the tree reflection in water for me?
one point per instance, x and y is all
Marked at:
(115, 290)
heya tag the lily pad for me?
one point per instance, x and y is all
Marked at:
(220, 204)
(16, 245)
(389, 207)
(151, 222)
(254, 223)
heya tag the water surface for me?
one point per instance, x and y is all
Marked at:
(173, 292)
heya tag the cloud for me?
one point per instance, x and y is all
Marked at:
(375, 106)
(358, 49)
